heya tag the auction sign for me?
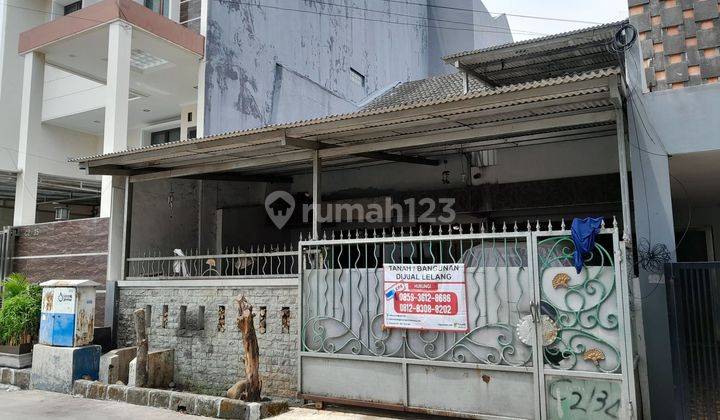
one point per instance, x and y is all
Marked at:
(425, 297)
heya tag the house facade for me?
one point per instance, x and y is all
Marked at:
(217, 76)
(501, 157)
(88, 77)
(612, 122)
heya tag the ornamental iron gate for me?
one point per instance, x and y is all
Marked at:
(543, 341)
(693, 290)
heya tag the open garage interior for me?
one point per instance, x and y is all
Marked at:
(549, 181)
(696, 205)
(58, 198)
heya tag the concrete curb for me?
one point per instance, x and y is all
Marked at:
(199, 405)
(16, 377)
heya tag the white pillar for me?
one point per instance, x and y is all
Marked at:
(30, 132)
(116, 104)
(316, 194)
(174, 12)
(114, 188)
(200, 109)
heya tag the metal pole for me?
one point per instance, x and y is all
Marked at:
(622, 165)
(616, 98)
(317, 166)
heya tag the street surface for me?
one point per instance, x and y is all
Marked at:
(42, 405)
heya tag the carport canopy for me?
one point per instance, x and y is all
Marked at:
(557, 109)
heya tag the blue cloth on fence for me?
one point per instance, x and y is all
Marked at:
(583, 232)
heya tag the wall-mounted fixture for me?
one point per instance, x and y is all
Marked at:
(62, 212)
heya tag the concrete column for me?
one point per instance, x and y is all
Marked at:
(116, 102)
(30, 133)
(200, 109)
(652, 203)
(174, 12)
(118, 241)
(115, 191)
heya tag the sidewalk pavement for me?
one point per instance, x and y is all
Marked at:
(41, 405)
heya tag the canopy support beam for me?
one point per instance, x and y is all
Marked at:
(391, 157)
(470, 134)
(317, 168)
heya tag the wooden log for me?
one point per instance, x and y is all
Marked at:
(250, 388)
(141, 341)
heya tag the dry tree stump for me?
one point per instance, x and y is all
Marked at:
(141, 341)
(250, 388)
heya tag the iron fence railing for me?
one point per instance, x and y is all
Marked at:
(693, 290)
(531, 317)
(266, 261)
(342, 289)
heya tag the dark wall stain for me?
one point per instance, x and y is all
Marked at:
(320, 42)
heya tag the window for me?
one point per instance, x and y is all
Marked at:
(161, 7)
(165, 136)
(357, 77)
(190, 14)
(72, 7)
(192, 133)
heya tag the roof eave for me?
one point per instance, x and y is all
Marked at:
(273, 133)
(547, 42)
(104, 13)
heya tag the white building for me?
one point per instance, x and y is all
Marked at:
(60, 73)
(80, 78)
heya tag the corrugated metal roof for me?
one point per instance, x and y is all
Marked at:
(590, 34)
(584, 50)
(383, 108)
(541, 58)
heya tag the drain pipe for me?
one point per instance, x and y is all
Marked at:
(616, 97)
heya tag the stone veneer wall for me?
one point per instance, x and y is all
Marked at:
(208, 360)
(679, 40)
(46, 243)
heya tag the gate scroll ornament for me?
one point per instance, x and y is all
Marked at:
(583, 307)
(344, 300)
(518, 284)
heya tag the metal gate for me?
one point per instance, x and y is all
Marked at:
(544, 342)
(693, 290)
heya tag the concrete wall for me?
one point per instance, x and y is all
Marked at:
(191, 222)
(250, 47)
(164, 216)
(473, 30)
(209, 360)
(660, 124)
(292, 88)
(489, 30)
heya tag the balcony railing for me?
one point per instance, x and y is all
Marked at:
(261, 262)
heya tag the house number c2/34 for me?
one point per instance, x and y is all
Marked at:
(579, 398)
